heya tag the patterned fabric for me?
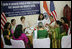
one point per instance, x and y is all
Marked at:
(56, 38)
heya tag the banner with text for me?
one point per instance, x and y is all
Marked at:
(20, 8)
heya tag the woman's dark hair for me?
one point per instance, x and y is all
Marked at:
(18, 31)
(40, 15)
(12, 20)
(58, 22)
(65, 19)
(22, 18)
(6, 25)
(66, 5)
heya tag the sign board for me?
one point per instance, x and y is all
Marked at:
(20, 8)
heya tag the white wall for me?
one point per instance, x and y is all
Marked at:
(31, 19)
(59, 5)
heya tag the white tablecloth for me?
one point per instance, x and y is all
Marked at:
(29, 30)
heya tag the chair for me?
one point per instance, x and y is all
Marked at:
(5, 46)
(35, 34)
(17, 43)
(41, 43)
(66, 41)
(69, 31)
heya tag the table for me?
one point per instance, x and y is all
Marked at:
(29, 34)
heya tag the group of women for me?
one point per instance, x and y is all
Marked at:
(56, 30)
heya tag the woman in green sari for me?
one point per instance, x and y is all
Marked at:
(55, 36)
(56, 33)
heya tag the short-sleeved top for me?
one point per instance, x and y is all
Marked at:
(56, 33)
(42, 34)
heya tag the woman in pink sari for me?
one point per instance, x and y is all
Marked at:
(19, 35)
